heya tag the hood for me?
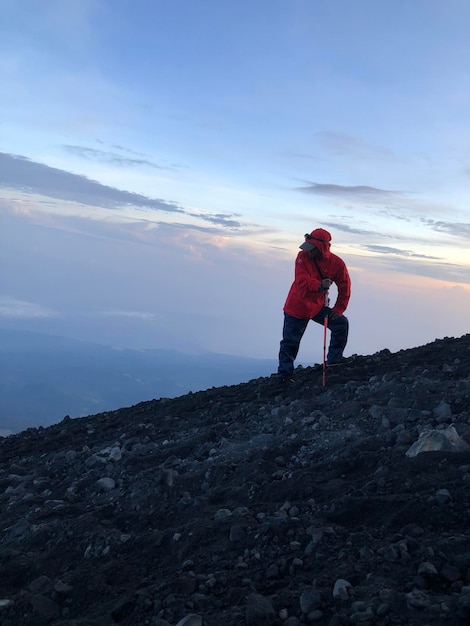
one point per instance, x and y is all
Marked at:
(318, 238)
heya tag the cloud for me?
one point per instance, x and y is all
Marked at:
(92, 154)
(22, 174)
(12, 308)
(140, 285)
(387, 260)
(118, 146)
(141, 315)
(218, 218)
(353, 231)
(112, 156)
(397, 251)
(458, 229)
(355, 192)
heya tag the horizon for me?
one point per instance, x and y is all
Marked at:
(30, 410)
(273, 359)
(160, 164)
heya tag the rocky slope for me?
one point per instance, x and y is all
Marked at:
(251, 504)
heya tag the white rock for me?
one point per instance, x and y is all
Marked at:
(223, 514)
(427, 569)
(442, 411)
(105, 484)
(447, 439)
(342, 589)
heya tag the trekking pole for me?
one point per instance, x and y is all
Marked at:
(325, 326)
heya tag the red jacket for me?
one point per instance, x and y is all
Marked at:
(305, 299)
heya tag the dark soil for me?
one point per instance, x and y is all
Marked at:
(251, 504)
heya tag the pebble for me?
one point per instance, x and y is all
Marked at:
(310, 599)
(342, 589)
(259, 610)
(417, 599)
(190, 620)
(106, 484)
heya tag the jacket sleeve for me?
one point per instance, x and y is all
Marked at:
(306, 283)
(343, 282)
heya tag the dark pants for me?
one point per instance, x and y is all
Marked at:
(293, 331)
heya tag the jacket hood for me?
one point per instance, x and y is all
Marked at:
(318, 238)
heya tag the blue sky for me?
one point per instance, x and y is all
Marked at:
(161, 161)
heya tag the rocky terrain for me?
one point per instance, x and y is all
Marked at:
(250, 505)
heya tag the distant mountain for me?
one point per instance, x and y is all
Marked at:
(45, 377)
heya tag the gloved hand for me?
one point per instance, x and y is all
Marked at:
(326, 284)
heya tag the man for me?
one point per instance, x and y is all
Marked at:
(316, 269)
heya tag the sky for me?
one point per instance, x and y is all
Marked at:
(161, 161)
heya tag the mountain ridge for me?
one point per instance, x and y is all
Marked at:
(250, 504)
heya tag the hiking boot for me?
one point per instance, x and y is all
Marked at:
(286, 379)
(342, 361)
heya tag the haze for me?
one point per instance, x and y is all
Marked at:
(161, 161)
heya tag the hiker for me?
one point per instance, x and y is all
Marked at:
(316, 269)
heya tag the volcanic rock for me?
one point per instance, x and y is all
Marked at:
(251, 504)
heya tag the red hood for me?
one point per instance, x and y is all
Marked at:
(321, 239)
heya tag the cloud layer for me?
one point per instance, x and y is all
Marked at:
(21, 174)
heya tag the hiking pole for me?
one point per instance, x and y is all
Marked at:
(326, 302)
